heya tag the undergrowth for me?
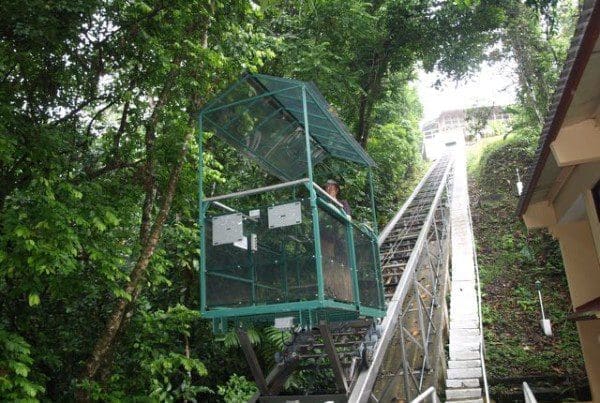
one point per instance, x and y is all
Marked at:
(511, 259)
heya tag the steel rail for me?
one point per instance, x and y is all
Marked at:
(257, 190)
(324, 193)
(482, 340)
(389, 226)
(429, 392)
(528, 395)
(366, 380)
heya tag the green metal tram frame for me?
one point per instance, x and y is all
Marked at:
(334, 138)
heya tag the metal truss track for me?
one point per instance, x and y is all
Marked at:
(414, 256)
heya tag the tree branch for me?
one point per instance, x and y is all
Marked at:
(133, 288)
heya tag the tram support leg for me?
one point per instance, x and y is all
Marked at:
(338, 370)
(279, 375)
(257, 372)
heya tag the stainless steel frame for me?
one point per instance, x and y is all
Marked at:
(257, 190)
(429, 393)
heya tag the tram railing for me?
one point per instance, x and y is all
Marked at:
(431, 249)
(287, 250)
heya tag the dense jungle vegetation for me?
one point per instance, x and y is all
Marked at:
(98, 161)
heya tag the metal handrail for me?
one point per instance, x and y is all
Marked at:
(364, 384)
(327, 195)
(429, 392)
(392, 223)
(528, 394)
(482, 341)
(257, 190)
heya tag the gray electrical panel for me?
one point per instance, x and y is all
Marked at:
(227, 229)
(284, 215)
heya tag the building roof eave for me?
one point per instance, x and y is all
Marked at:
(582, 46)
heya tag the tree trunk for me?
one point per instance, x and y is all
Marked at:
(149, 237)
(371, 91)
(114, 324)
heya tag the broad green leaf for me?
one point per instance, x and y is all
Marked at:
(34, 299)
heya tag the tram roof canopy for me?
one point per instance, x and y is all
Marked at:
(262, 116)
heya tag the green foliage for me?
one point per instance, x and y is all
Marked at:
(371, 43)
(15, 367)
(238, 389)
(395, 148)
(97, 98)
(536, 36)
(477, 120)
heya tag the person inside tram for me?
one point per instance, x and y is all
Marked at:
(332, 187)
(336, 270)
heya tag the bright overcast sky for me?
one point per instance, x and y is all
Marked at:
(493, 85)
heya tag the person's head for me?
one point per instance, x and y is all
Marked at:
(332, 188)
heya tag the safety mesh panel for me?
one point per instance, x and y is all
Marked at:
(263, 129)
(334, 249)
(368, 272)
(262, 116)
(270, 266)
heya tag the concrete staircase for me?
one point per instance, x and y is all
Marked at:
(465, 369)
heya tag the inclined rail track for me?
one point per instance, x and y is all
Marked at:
(397, 247)
(412, 255)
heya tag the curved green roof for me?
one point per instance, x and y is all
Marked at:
(262, 116)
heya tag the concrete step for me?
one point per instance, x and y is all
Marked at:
(464, 309)
(461, 295)
(464, 364)
(464, 332)
(460, 394)
(462, 383)
(468, 400)
(464, 324)
(464, 339)
(464, 355)
(464, 276)
(463, 347)
(466, 303)
(463, 373)
(463, 302)
(464, 289)
(458, 316)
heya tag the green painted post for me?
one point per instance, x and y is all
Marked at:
(353, 264)
(252, 271)
(376, 258)
(373, 212)
(284, 272)
(201, 216)
(313, 203)
(379, 279)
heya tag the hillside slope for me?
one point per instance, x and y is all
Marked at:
(511, 259)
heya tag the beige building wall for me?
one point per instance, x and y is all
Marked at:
(580, 250)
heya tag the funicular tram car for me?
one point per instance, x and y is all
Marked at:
(287, 253)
